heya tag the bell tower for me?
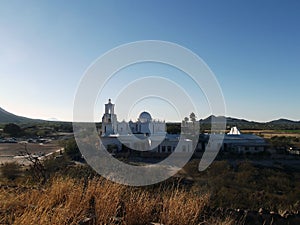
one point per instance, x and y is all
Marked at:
(109, 120)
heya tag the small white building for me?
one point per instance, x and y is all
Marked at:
(234, 141)
(243, 143)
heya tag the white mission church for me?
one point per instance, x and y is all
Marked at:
(144, 124)
(146, 134)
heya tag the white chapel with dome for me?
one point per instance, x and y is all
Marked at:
(145, 134)
(144, 125)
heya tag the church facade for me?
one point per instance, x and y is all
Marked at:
(145, 134)
(144, 125)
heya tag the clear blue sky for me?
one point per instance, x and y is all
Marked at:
(253, 48)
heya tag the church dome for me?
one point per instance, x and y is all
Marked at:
(145, 117)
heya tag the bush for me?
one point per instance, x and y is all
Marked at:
(72, 150)
(55, 164)
(12, 129)
(11, 170)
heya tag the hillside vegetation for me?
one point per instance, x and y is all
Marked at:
(98, 201)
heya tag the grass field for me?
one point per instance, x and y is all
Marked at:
(70, 201)
(289, 131)
(273, 133)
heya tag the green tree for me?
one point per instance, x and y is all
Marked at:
(173, 128)
(193, 117)
(72, 150)
(12, 129)
(280, 142)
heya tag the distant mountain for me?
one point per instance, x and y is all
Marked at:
(7, 117)
(245, 124)
(284, 121)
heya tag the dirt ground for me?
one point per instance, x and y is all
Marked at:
(9, 150)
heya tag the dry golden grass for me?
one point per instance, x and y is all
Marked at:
(141, 207)
(182, 207)
(69, 201)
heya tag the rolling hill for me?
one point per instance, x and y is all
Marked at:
(279, 124)
(7, 117)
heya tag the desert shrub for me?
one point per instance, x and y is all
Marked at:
(56, 165)
(219, 168)
(72, 150)
(246, 175)
(241, 184)
(83, 171)
(11, 170)
(12, 129)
